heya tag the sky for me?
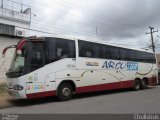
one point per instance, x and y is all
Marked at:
(121, 22)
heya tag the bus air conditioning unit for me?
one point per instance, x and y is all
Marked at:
(20, 33)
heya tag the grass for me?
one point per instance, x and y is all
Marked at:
(2, 89)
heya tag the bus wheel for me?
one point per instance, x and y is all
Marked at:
(137, 84)
(65, 92)
(144, 84)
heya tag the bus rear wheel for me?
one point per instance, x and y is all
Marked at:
(144, 83)
(65, 92)
(137, 84)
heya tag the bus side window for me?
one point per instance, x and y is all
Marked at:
(65, 49)
(123, 54)
(37, 57)
(107, 53)
(64, 54)
(88, 54)
(58, 48)
(59, 51)
(71, 50)
(86, 49)
(97, 51)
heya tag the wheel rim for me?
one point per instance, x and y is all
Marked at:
(144, 82)
(66, 92)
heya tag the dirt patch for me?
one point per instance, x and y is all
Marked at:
(4, 97)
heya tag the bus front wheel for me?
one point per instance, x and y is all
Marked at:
(65, 92)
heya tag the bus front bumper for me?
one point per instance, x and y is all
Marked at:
(15, 93)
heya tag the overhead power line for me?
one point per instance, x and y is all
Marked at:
(102, 20)
(88, 35)
(89, 26)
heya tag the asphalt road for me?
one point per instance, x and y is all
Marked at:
(119, 101)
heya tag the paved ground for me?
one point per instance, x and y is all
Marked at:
(123, 101)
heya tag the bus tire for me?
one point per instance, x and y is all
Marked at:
(65, 92)
(144, 84)
(137, 84)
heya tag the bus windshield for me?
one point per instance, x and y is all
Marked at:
(28, 56)
(17, 65)
(34, 54)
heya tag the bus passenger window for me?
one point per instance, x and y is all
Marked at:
(88, 54)
(64, 54)
(59, 52)
(37, 57)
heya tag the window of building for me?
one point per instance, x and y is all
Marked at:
(7, 29)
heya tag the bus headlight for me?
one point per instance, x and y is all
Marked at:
(17, 87)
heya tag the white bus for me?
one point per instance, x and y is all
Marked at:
(50, 66)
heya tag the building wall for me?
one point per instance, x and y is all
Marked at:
(4, 42)
(14, 22)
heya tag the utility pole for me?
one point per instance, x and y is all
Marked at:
(152, 40)
(2, 3)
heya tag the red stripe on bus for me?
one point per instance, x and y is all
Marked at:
(111, 86)
(41, 94)
(152, 81)
(108, 86)
(93, 88)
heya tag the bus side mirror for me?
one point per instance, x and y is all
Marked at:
(6, 73)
